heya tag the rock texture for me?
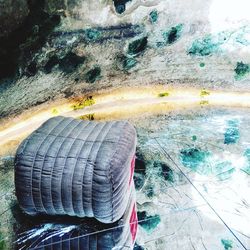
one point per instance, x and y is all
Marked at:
(12, 14)
(189, 43)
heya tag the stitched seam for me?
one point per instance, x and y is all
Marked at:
(100, 146)
(110, 170)
(64, 166)
(49, 147)
(85, 125)
(85, 166)
(34, 160)
(56, 157)
(90, 189)
(60, 136)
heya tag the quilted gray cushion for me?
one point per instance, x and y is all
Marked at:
(119, 235)
(77, 168)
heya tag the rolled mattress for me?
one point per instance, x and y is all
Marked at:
(77, 168)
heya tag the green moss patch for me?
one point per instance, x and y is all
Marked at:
(126, 63)
(70, 62)
(3, 245)
(153, 15)
(148, 222)
(165, 171)
(93, 75)
(136, 47)
(241, 70)
(173, 34)
(224, 170)
(209, 44)
(195, 159)
(120, 5)
(92, 34)
(232, 133)
(149, 191)
(228, 244)
(246, 168)
(139, 180)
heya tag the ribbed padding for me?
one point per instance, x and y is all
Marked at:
(77, 168)
(82, 237)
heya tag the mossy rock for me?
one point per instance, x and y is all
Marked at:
(125, 63)
(232, 133)
(93, 75)
(153, 15)
(120, 5)
(241, 70)
(165, 171)
(195, 159)
(139, 180)
(228, 244)
(51, 63)
(173, 34)
(70, 62)
(137, 46)
(148, 222)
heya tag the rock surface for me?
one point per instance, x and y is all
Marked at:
(12, 14)
(174, 42)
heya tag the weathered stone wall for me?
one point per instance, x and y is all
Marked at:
(104, 44)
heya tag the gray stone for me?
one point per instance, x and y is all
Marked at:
(12, 14)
